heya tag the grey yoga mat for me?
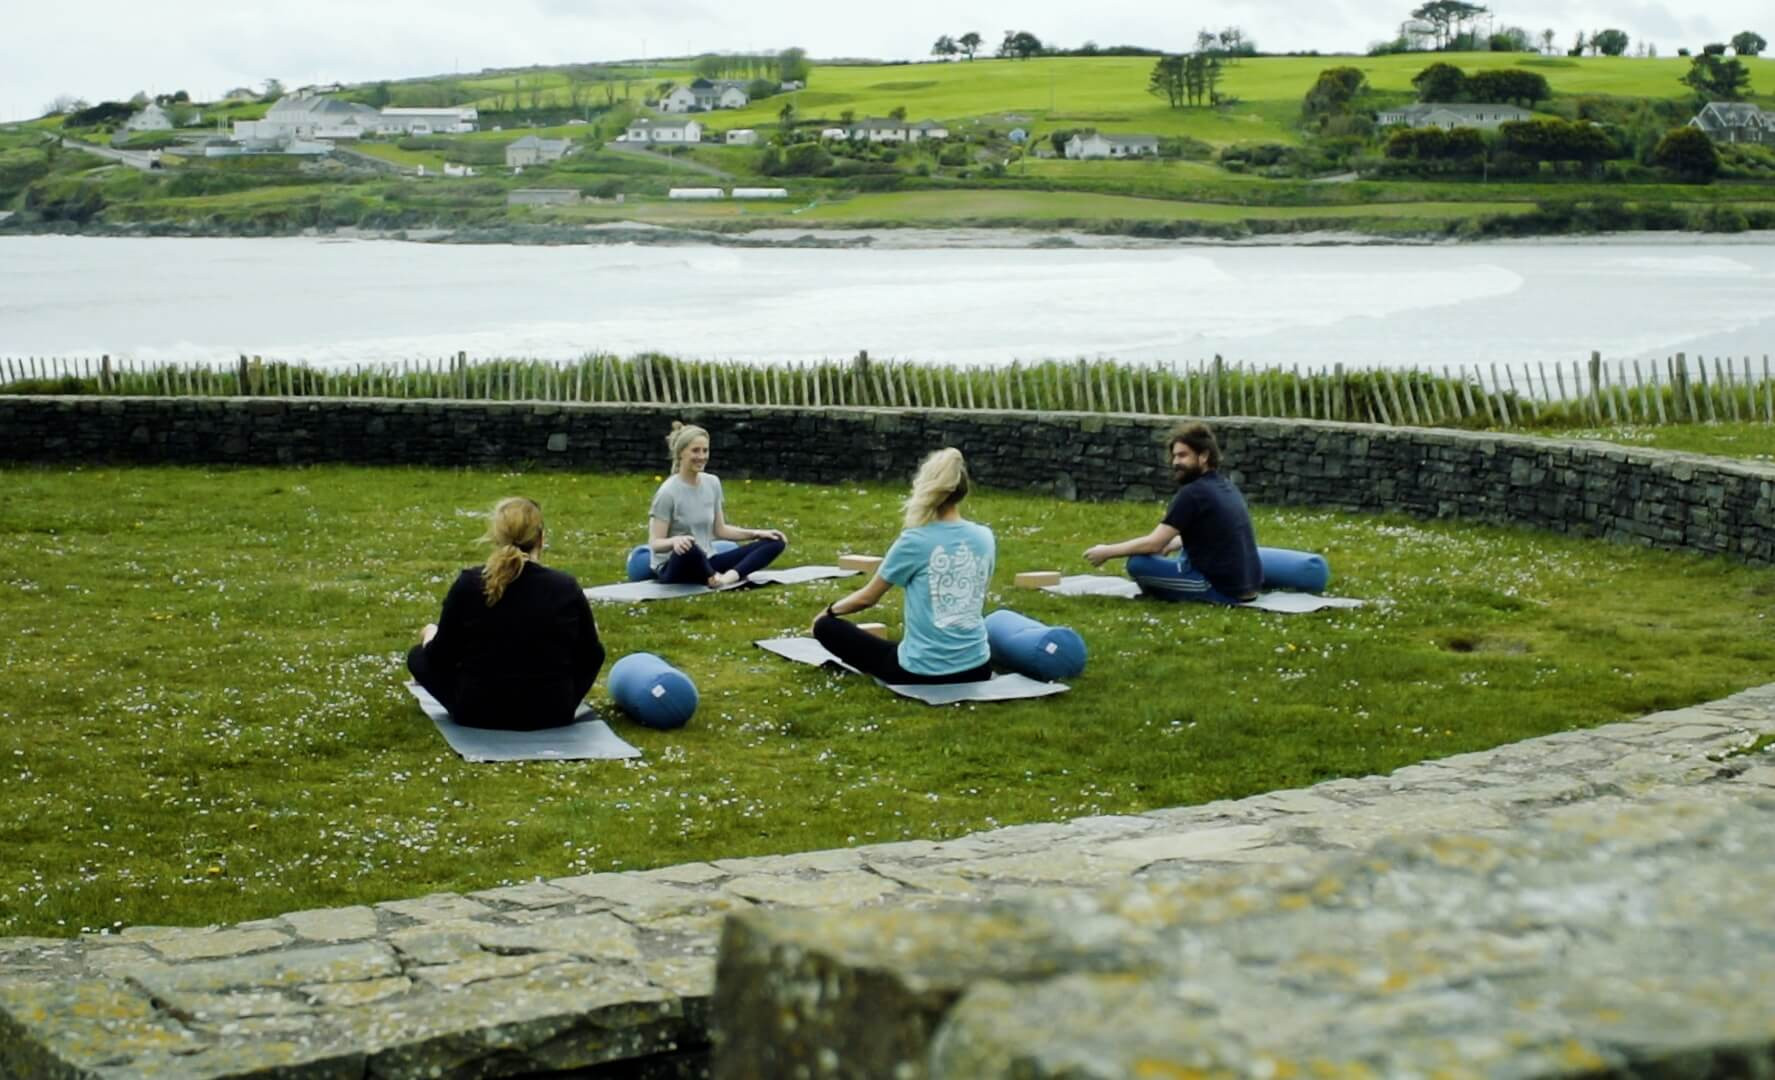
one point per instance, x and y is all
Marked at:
(586, 738)
(1283, 603)
(629, 592)
(806, 650)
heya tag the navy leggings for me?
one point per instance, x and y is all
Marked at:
(696, 566)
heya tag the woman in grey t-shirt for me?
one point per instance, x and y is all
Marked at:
(686, 519)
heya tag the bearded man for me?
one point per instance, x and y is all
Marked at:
(1207, 519)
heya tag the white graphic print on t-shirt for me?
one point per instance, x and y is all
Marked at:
(958, 587)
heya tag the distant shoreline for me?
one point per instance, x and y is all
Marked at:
(904, 238)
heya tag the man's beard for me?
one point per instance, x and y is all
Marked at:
(1186, 475)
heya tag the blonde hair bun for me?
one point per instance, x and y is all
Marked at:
(681, 436)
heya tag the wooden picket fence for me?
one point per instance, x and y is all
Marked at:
(1677, 389)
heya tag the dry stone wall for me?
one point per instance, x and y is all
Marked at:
(1655, 498)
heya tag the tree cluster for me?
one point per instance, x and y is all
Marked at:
(1443, 82)
(747, 66)
(1556, 141)
(1448, 20)
(1331, 94)
(1225, 44)
(1714, 77)
(1605, 42)
(1435, 144)
(966, 45)
(1689, 153)
(104, 114)
(1020, 44)
(1186, 79)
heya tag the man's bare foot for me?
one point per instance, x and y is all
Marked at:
(725, 579)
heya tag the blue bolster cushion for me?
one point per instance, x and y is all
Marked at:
(1034, 649)
(640, 567)
(1286, 569)
(652, 692)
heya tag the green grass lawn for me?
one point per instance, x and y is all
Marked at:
(432, 160)
(205, 719)
(1754, 442)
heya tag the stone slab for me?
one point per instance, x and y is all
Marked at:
(843, 889)
(1608, 938)
(334, 924)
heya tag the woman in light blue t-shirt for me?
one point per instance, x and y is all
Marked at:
(944, 563)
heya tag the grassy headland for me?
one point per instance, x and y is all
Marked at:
(1223, 170)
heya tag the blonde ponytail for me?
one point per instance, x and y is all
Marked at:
(942, 481)
(681, 436)
(515, 531)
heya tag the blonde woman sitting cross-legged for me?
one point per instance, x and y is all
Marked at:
(944, 563)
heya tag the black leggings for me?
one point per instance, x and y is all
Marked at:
(880, 657)
(542, 707)
(696, 566)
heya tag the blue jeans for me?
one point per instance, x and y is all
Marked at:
(696, 566)
(1174, 579)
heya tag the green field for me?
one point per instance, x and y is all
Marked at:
(936, 207)
(432, 160)
(206, 721)
(1110, 92)
(992, 183)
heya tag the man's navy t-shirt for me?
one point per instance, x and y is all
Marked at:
(1210, 515)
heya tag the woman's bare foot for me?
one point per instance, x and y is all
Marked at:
(724, 579)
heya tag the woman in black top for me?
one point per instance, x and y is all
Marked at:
(516, 646)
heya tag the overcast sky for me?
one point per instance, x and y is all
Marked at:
(108, 49)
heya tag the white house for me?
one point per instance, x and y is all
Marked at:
(1097, 145)
(704, 95)
(151, 118)
(680, 100)
(431, 121)
(876, 129)
(531, 150)
(1451, 116)
(695, 193)
(720, 94)
(307, 117)
(1735, 122)
(742, 137)
(760, 193)
(663, 131)
(834, 133)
